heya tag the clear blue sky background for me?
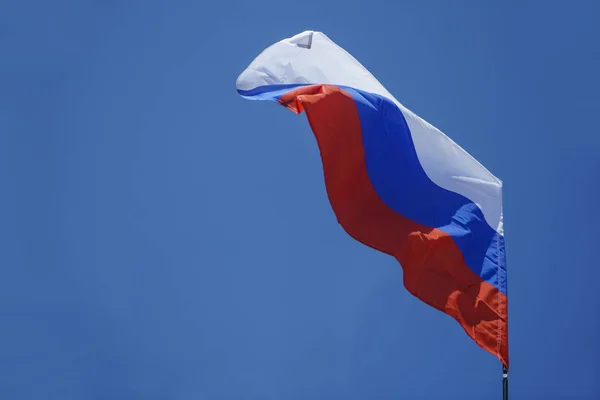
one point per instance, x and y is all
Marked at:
(163, 238)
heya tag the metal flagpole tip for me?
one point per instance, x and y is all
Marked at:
(504, 382)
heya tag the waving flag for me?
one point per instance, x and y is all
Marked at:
(396, 183)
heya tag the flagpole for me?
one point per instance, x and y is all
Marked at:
(504, 382)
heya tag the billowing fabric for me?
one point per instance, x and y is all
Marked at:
(396, 183)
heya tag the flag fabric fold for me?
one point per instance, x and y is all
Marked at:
(396, 183)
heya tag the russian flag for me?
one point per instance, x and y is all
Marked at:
(396, 183)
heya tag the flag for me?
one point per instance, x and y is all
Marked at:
(396, 183)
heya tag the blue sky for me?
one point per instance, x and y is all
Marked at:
(165, 239)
